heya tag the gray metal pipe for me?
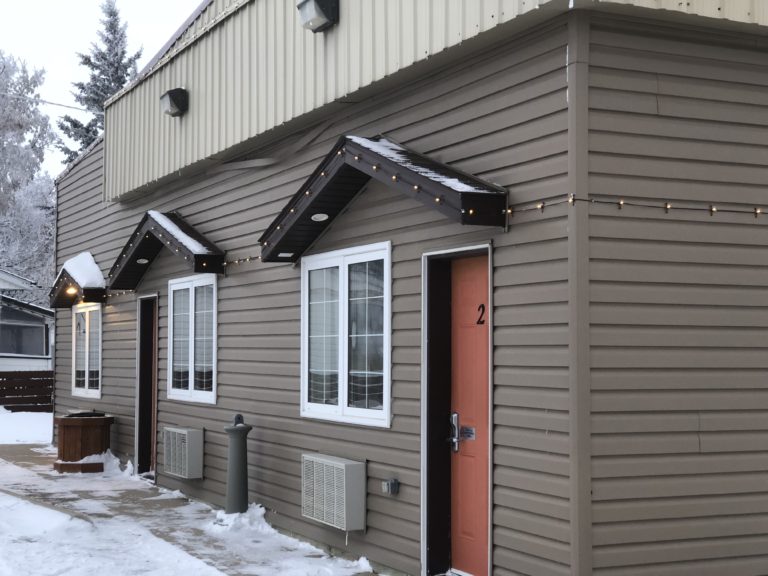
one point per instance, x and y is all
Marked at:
(237, 466)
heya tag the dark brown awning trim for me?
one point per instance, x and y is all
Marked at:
(66, 292)
(153, 232)
(80, 280)
(349, 166)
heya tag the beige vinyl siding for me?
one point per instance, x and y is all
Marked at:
(531, 524)
(679, 304)
(501, 115)
(80, 208)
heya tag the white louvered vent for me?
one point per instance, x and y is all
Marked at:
(333, 491)
(183, 452)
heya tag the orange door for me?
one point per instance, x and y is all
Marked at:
(469, 404)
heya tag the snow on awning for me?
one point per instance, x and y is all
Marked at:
(350, 165)
(79, 280)
(156, 230)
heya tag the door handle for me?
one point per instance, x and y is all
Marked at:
(454, 438)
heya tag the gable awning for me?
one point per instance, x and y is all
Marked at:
(351, 164)
(79, 280)
(155, 231)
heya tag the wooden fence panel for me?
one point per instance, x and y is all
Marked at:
(28, 391)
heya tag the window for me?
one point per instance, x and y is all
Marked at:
(345, 335)
(192, 339)
(26, 339)
(86, 350)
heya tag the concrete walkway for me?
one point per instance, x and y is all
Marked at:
(167, 515)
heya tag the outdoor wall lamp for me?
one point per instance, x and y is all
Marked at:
(317, 15)
(175, 102)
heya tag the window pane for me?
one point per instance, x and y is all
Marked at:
(180, 378)
(323, 338)
(80, 350)
(204, 338)
(19, 339)
(366, 342)
(94, 348)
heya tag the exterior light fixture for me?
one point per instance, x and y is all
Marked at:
(318, 15)
(71, 290)
(319, 217)
(142, 261)
(175, 102)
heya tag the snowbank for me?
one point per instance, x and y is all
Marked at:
(25, 427)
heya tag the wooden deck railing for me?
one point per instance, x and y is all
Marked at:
(27, 391)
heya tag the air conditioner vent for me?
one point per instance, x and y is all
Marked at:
(333, 491)
(183, 452)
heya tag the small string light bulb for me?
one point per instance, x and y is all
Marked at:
(667, 206)
(621, 204)
(712, 210)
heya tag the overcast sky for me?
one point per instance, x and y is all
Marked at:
(49, 33)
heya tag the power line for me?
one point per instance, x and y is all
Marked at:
(22, 97)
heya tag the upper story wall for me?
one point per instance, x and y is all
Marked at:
(250, 67)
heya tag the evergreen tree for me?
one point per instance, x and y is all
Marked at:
(110, 68)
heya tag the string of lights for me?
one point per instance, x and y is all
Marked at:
(570, 199)
(666, 206)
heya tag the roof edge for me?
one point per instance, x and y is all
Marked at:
(165, 55)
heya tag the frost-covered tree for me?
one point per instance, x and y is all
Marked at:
(25, 131)
(27, 217)
(27, 229)
(110, 67)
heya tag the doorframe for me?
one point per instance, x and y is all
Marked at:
(139, 299)
(425, 258)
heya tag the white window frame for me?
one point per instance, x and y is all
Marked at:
(80, 309)
(341, 412)
(190, 394)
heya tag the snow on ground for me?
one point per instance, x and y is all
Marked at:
(25, 427)
(39, 540)
(80, 524)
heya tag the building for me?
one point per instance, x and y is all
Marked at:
(557, 204)
(11, 281)
(26, 332)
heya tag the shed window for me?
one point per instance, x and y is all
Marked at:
(86, 351)
(192, 339)
(26, 339)
(346, 335)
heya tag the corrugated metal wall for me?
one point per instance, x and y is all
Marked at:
(257, 69)
(679, 304)
(501, 115)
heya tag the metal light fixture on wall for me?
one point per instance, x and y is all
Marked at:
(318, 15)
(175, 102)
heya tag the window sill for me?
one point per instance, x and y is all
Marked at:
(383, 422)
(81, 393)
(193, 397)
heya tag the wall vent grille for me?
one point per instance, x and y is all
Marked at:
(183, 452)
(333, 491)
